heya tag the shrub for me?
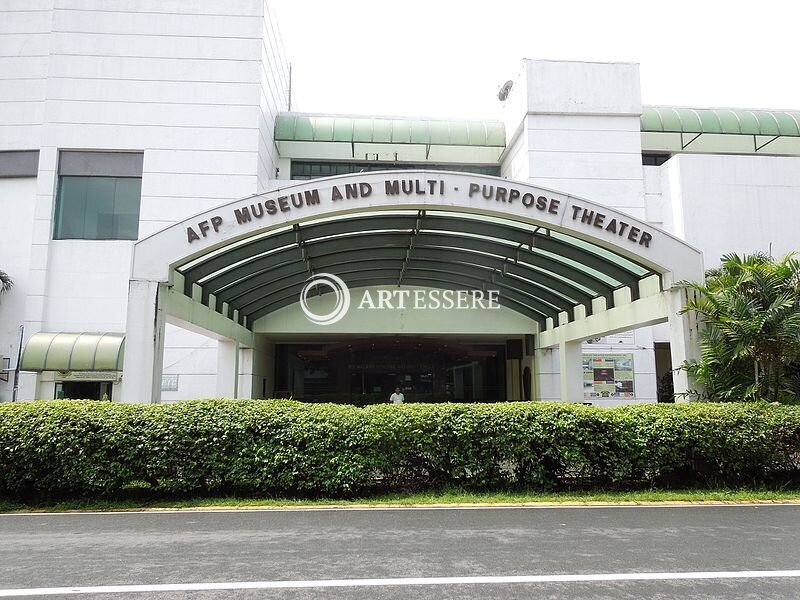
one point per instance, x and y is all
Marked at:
(63, 449)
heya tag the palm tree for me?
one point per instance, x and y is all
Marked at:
(751, 309)
(5, 282)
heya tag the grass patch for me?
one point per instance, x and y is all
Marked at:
(446, 497)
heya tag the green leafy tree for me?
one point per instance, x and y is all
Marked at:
(750, 346)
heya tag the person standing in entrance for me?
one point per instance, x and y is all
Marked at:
(397, 397)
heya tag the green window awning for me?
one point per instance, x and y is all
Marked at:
(74, 352)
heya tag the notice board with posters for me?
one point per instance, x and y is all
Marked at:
(608, 376)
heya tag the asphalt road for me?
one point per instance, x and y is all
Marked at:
(320, 548)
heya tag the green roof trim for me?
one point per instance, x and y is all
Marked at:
(295, 127)
(734, 121)
(664, 129)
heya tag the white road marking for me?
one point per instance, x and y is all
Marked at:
(254, 509)
(400, 581)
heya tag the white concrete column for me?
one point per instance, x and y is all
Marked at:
(684, 343)
(144, 343)
(546, 374)
(29, 387)
(47, 390)
(570, 360)
(257, 369)
(247, 378)
(227, 369)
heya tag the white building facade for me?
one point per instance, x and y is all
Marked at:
(119, 123)
(188, 91)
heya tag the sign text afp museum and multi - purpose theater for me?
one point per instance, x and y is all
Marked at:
(440, 188)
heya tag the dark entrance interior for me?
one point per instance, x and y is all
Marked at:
(366, 370)
(84, 390)
(666, 392)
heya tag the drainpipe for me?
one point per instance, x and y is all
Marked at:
(19, 361)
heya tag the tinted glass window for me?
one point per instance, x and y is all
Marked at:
(653, 159)
(98, 208)
(312, 170)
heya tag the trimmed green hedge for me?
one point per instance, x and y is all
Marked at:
(62, 449)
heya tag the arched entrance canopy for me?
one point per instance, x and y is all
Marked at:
(565, 264)
(538, 272)
(546, 252)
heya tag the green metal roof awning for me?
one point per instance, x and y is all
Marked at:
(664, 129)
(720, 120)
(377, 130)
(331, 137)
(74, 352)
(711, 130)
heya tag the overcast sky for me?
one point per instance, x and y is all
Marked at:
(444, 58)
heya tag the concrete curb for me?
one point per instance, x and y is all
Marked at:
(413, 506)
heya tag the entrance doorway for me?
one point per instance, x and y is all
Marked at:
(366, 371)
(666, 392)
(83, 390)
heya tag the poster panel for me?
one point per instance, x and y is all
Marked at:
(608, 376)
